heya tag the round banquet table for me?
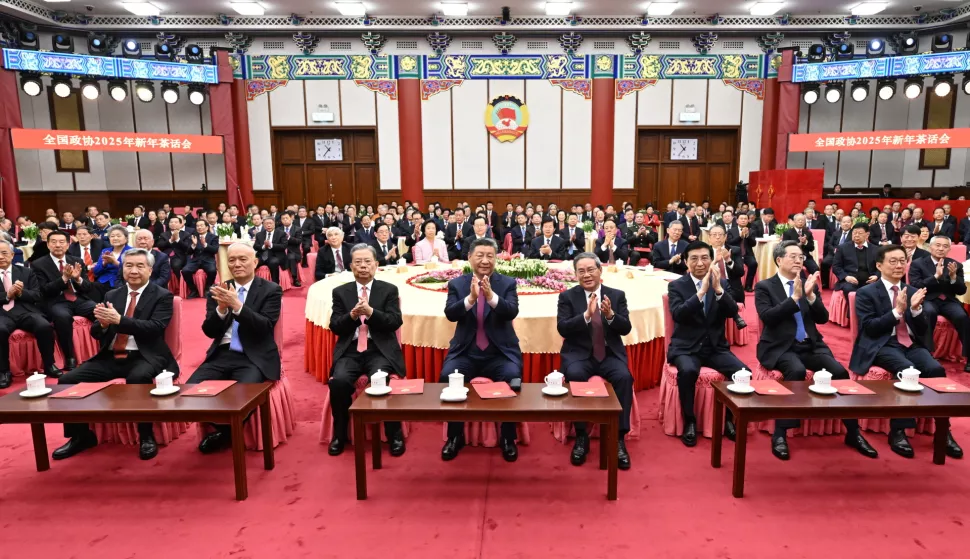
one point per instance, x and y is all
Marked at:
(766, 264)
(27, 250)
(426, 333)
(965, 298)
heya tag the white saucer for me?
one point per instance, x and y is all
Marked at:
(39, 393)
(164, 392)
(449, 395)
(741, 388)
(907, 388)
(553, 391)
(823, 389)
(374, 391)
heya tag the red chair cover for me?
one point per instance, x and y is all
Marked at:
(507, 243)
(24, 355)
(731, 332)
(838, 310)
(85, 347)
(306, 274)
(286, 282)
(958, 252)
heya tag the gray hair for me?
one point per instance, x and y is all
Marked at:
(140, 252)
(715, 226)
(114, 228)
(363, 246)
(483, 242)
(584, 256)
(334, 230)
(250, 248)
(675, 222)
(5, 239)
(943, 237)
(145, 231)
(780, 248)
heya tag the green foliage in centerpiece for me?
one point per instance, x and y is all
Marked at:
(224, 230)
(30, 232)
(519, 269)
(781, 228)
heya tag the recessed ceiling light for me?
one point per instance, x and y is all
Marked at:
(248, 8)
(558, 8)
(869, 8)
(351, 8)
(766, 8)
(142, 8)
(661, 8)
(454, 8)
(56, 1)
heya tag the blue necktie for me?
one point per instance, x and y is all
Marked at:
(234, 342)
(705, 296)
(800, 334)
(673, 251)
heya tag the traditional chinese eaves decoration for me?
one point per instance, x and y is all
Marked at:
(429, 88)
(171, 40)
(755, 87)
(570, 42)
(296, 19)
(625, 87)
(769, 41)
(581, 87)
(374, 42)
(306, 42)
(638, 42)
(239, 42)
(439, 42)
(504, 42)
(387, 88)
(255, 88)
(703, 42)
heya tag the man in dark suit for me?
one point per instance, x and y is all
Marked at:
(692, 226)
(964, 230)
(366, 316)
(66, 292)
(920, 221)
(384, 245)
(320, 221)
(480, 230)
(304, 223)
(728, 262)
(943, 279)
(521, 236)
(201, 248)
(548, 246)
(833, 240)
(507, 220)
(270, 246)
(171, 243)
(483, 304)
(456, 233)
(334, 255)
(141, 220)
(765, 224)
(574, 236)
(365, 233)
(405, 226)
(613, 247)
(854, 264)
(162, 270)
(700, 302)
(745, 240)
(881, 232)
(87, 247)
(909, 239)
(803, 237)
(941, 225)
(893, 335)
(20, 309)
(591, 318)
(790, 341)
(130, 326)
(240, 317)
(669, 254)
(672, 215)
(492, 218)
(293, 238)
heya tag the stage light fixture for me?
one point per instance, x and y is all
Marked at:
(164, 51)
(193, 54)
(62, 43)
(61, 86)
(810, 93)
(886, 89)
(966, 84)
(908, 44)
(845, 51)
(816, 53)
(31, 84)
(145, 91)
(28, 40)
(860, 90)
(913, 88)
(196, 94)
(875, 48)
(90, 89)
(942, 42)
(131, 48)
(170, 93)
(833, 92)
(943, 86)
(97, 44)
(118, 90)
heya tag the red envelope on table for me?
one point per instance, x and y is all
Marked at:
(407, 386)
(82, 389)
(851, 388)
(770, 388)
(944, 385)
(487, 391)
(209, 388)
(588, 389)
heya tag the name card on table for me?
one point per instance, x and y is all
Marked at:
(209, 388)
(770, 388)
(489, 390)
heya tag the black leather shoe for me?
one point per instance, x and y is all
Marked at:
(214, 442)
(451, 448)
(192, 296)
(397, 444)
(75, 446)
(740, 323)
(967, 368)
(53, 372)
(297, 283)
(899, 443)
(509, 451)
(748, 289)
(70, 364)
(622, 456)
(953, 450)
(148, 448)
(580, 449)
(689, 436)
(858, 442)
(6, 379)
(779, 447)
(730, 431)
(336, 446)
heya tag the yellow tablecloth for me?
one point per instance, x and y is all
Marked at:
(425, 324)
(766, 264)
(965, 298)
(28, 250)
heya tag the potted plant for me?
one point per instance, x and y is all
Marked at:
(224, 231)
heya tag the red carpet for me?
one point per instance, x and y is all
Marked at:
(827, 501)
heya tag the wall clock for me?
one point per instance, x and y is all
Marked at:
(683, 148)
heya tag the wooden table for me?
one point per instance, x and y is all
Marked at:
(887, 402)
(132, 403)
(529, 405)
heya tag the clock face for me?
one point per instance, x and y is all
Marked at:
(683, 148)
(329, 150)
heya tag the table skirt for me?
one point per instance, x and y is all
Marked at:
(646, 360)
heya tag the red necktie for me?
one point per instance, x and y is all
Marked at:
(902, 335)
(599, 339)
(69, 294)
(88, 262)
(480, 338)
(340, 261)
(121, 340)
(362, 329)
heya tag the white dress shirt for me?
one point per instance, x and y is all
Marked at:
(946, 273)
(717, 296)
(599, 301)
(892, 300)
(131, 345)
(491, 302)
(784, 282)
(227, 337)
(359, 295)
(336, 252)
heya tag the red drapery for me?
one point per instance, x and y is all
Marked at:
(9, 118)
(646, 359)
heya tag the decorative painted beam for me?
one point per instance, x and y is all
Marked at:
(887, 67)
(107, 67)
(688, 66)
(388, 88)
(327, 67)
(581, 87)
(255, 88)
(625, 87)
(754, 86)
(430, 88)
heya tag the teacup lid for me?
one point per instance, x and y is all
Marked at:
(744, 371)
(456, 373)
(911, 370)
(37, 374)
(822, 371)
(165, 374)
(555, 372)
(380, 373)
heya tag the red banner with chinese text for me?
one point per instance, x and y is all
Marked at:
(93, 140)
(881, 140)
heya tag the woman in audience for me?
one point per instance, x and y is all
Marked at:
(430, 245)
(107, 268)
(154, 225)
(854, 214)
(873, 215)
(905, 218)
(650, 217)
(561, 219)
(924, 238)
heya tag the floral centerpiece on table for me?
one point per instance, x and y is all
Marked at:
(781, 228)
(532, 277)
(114, 221)
(249, 221)
(587, 227)
(130, 218)
(225, 230)
(30, 232)
(518, 269)
(860, 219)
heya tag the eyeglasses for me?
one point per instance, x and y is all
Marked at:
(896, 261)
(796, 257)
